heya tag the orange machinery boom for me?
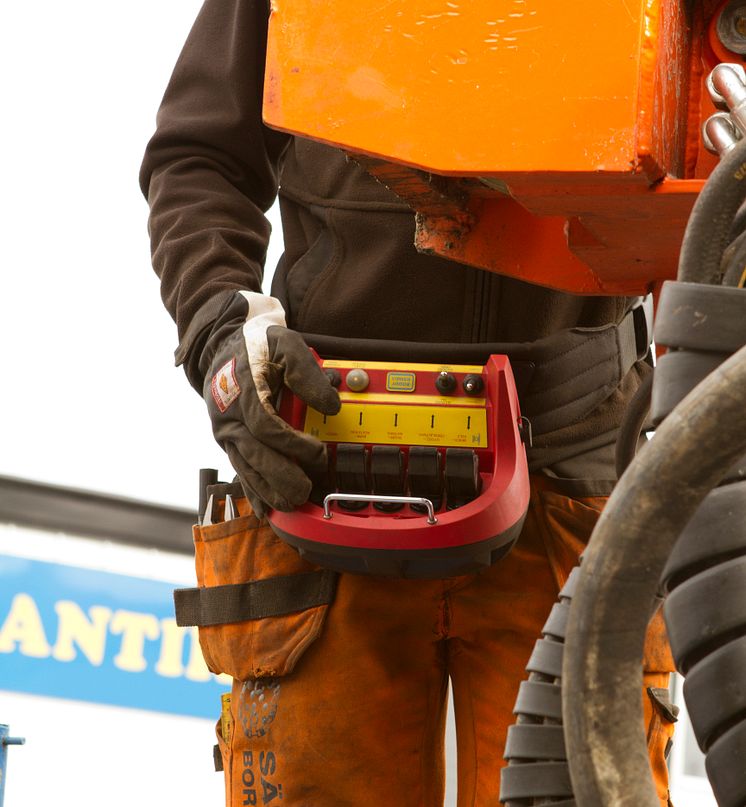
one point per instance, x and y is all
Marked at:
(554, 142)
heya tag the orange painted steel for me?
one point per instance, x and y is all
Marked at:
(625, 247)
(556, 142)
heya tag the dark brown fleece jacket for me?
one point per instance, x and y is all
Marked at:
(350, 268)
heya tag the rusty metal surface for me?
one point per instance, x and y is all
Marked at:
(619, 241)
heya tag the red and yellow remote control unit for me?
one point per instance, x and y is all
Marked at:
(427, 473)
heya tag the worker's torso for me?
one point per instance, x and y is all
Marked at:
(350, 268)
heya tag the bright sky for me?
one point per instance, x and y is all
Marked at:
(90, 396)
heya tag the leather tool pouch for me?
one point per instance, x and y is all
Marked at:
(259, 605)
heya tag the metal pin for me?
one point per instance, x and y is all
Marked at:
(719, 81)
(230, 510)
(207, 518)
(727, 86)
(719, 133)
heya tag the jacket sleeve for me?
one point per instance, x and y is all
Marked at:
(211, 170)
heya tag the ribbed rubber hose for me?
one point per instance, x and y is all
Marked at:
(709, 229)
(602, 669)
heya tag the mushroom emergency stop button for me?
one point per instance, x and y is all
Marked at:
(357, 380)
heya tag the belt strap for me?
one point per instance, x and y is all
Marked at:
(258, 599)
(577, 370)
(560, 379)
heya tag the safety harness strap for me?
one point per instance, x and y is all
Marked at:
(258, 599)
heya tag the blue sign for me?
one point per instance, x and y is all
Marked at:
(95, 636)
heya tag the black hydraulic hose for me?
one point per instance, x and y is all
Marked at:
(734, 260)
(631, 427)
(616, 592)
(739, 222)
(734, 263)
(709, 229)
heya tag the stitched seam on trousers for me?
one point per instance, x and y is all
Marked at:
(652, 727)
(310, 637)
(475, 761)
(434, 704)
(445, 616)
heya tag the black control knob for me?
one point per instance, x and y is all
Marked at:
(425, 476)
(445, 382)
(387, 473)
(473, 384)
(352, 473)
(463, 483)
(334, 376)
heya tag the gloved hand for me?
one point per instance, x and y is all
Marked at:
(248, 356)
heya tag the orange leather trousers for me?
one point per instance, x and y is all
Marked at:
(344, 705)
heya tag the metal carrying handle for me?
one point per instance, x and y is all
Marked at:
(369, 497)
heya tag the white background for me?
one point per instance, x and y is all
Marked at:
(90, 397)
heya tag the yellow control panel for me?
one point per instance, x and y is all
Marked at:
(394, 424)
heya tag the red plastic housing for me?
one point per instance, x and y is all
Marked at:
(464, 539)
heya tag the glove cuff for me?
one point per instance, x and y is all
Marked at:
(219, 317)
(263, 313)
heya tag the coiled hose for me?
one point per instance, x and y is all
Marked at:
(607, 748)
(608, 755)
(701, 443)
(619, 582)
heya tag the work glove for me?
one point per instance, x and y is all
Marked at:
(248, 356)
